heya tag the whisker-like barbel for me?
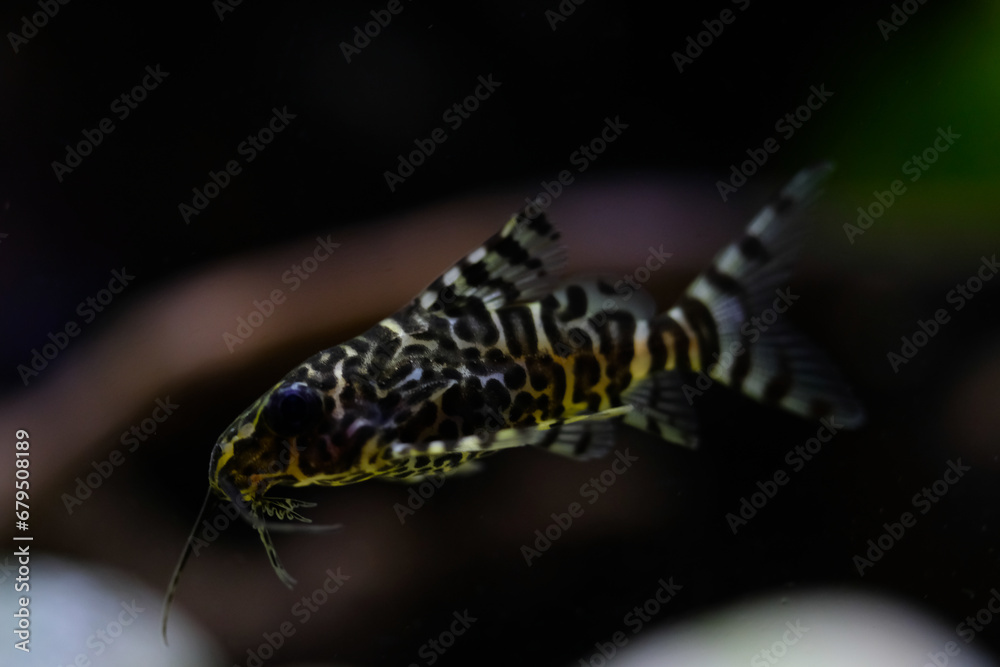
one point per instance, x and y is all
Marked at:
(286, 505)
(176, 576)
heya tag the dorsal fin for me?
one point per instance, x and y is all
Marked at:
(515, 264)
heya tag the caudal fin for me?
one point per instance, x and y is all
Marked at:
(737, 312)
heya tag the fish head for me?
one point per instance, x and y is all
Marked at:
(264, 447)
(285, 437)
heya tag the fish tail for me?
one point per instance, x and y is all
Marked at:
(732, 325)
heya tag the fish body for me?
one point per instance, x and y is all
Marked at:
(498, 353)
(433, 386)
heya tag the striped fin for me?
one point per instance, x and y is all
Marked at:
(516, 264)
(662, 409)
(584, 437)
(749, 279)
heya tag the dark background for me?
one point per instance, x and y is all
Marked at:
(324, 174)
(121, 204)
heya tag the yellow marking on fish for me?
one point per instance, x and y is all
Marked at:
(677, 314)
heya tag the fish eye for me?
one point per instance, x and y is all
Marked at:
(292, 409)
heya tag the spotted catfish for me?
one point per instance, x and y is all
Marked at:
(496, 353)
